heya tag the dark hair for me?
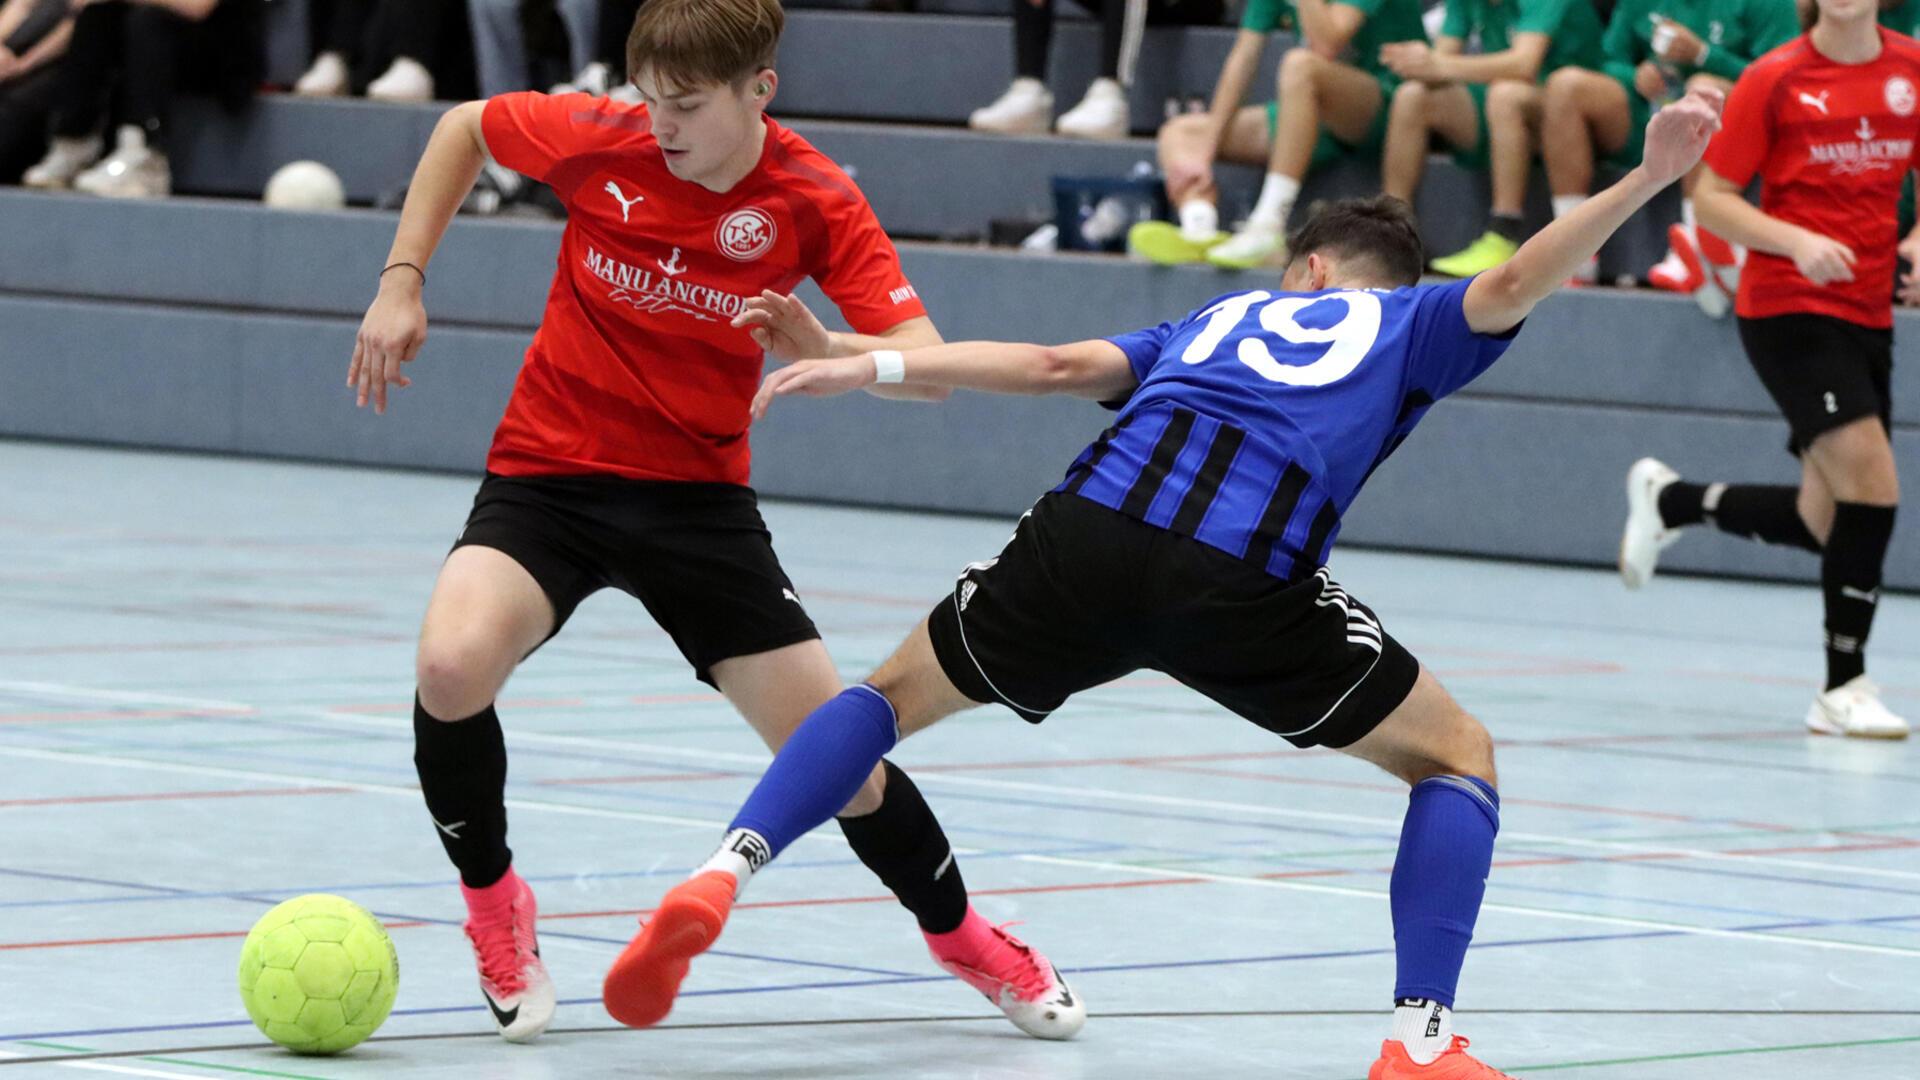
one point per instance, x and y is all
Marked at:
(692, 43)
(1376, 236)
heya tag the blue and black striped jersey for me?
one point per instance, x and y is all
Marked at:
(1259, 415)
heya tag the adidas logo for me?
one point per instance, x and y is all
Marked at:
(967, 589)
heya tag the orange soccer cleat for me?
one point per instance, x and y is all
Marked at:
(643, 982)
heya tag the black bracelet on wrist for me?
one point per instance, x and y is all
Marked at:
(408, 265)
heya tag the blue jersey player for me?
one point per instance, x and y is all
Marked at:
(1191, 539)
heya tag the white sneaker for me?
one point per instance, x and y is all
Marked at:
(1587, 274)
(1025, 109)
(626, 94)
(1646, 535)
(1254, 246)
(65, 159)
(132, 171)
(596, 79)
(1102, 114)
(326, 78)
(513, 979)
(1853, 708)
(407, 80)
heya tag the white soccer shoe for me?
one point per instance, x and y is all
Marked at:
(1252, 248)
(407, 80)
(596, 79)
(1645, 536)
(1025, 109)
(1853, 708)
(1102, 114)
(133, 171)
(67, 158)
(513, 979)
(326, 78)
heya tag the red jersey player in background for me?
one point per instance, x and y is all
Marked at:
(1829, 122)
(623, 461)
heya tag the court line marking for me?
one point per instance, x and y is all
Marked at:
(95, 1066)
(710, 756)
(1511, 909)
(979, 1018)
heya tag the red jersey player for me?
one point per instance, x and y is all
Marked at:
(1829, 122)
(623, 461)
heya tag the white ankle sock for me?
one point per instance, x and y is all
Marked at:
(1275, 203)
(1686, 213)
(742, 851)
(1424, 1027)
(1566, 204)
(1199, 220)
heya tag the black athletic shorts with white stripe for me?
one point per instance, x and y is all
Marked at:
(1083, 595)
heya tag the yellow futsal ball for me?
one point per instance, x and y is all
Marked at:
(318, 974)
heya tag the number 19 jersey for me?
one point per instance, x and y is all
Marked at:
(1259, 415)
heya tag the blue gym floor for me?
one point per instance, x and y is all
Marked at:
(205, 677)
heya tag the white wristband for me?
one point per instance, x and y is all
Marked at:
(889, 366)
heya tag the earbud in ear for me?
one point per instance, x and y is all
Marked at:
(760, 89)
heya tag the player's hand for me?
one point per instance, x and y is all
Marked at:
(816, 378)
(1648, 80)
(783, 326)
(1409, 59)
(391, 334)
(9, 64)
(1678, 134)
(1675, 43)
(1822, 259)
(1909, 292)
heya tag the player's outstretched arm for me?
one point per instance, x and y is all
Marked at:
(1501, 298)
(789, 331)
(1090, 369)
(396, 323)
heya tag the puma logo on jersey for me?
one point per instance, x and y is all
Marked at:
(1865, 134)
(1819, 102)
(626, 204)
(672, 267)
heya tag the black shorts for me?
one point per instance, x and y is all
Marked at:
(697, 555)
(1823, 372)
(1083, 595)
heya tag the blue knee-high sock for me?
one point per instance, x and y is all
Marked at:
(1439, 879)
(821, 767)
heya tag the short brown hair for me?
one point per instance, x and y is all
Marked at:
(1381, 232)
(691, 43)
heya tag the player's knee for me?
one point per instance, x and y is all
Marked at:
(1466, 751)
(1857, 462)
(1508, 98)
(1298, 70)
(1562, 91)
(1410, 101)
(455, 679)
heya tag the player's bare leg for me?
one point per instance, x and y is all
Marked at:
(486, 614)
(1439, 876)
(1513, 123)
(1187, 156)
(1583, 111)
(1417, 113)
(907, 694)
(1315, 93)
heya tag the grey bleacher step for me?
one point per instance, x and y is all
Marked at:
(496, 274)
(923, 181)
(1487, 476)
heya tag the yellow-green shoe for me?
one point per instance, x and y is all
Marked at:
(1482, 255)
(1163, 243)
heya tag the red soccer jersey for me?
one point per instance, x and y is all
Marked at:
(1832, 143)
(635, 370)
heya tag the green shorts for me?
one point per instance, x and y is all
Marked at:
(1479, 158)
(1639, 111)
(1328, 149)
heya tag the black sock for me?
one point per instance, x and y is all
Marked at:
(1850, 578)
(1681, 504)
(1511, 226)
(463, 774)
(1769, 513)
(903, 845)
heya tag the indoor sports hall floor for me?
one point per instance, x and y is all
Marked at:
(205, 673)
